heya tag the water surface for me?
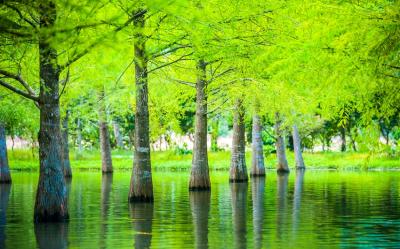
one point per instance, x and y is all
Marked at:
(316, 209)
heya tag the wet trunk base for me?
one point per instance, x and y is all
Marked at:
(54, 217)
(302, 168)
(283, 171)
(5, 177)
(258, 174)
(200, 188)
(141, 199)
(238, 180)
(108, 172)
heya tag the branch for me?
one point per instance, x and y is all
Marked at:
(21, 16)
(19, 79)
(221, 74)
(18, 91)
(191, 84)
(169, 63)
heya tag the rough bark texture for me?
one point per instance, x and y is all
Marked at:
(298, 155)
(51, 196)
(257, 193)
(257, 160)
(105, 146)
(200, 206)
(5, 176)
(142, 216)
(199, 175)
(238, 170)
(117, 135)
(280, 146)
(4, 196)
(141, 188)
(239, 212)
(66, 164)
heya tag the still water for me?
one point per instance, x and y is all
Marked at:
(316, 209)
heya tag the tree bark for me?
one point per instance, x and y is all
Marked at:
(141, 187)
(66, 164)
(297, 149)
(282, 165)
(257, 192)
(200, 206)
(199, 175)
(343, 137)
(118, 136)
(142, 215)
(79, 137)
(5, 176)
(239, 213)
(51, 196)
(105, 146)
(238, 170)
(257, 163)
(214, 135)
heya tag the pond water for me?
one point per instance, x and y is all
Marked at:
(317, 209)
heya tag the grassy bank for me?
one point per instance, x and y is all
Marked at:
(169, 160)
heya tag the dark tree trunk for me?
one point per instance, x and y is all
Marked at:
(4, 196)
(343, 137)
(79, 137)
(118, 136)
(199, 175)
(257, 192)
(51, 196)
(214, 135)
(141, 188)
(66, 164)
(282, 165)
(105, 146)
(142, 216)
(257, 162)
(239, 213)
(5, 176)
(238, 170)
(200, 206)
(297, 149)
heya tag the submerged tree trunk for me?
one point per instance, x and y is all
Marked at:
(239, 213)
(5, 176)
(297, 149)
(238, 170)
(199, 175)
(142, 216)
(105, 146)
(282, 181)
(141, 187)
(343, 138)
(51, 196)
(118, 136)
(280, 146)
(257, 163)
(200, 206)
(66, 164)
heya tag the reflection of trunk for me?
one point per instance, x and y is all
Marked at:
(5, 176)
(4, 194)
(51, 235)
(141, 187)
(65, 150)
(343, 137)
(199, 176)
(142, 216)
(298, 189)
(238, 170)
(51, 201)
(281, 208)
(257, 192)
(106, 184)
(200, 206)
(297, 148)
(257, 163)
(214, 134)
(280, 146)
(105, 146)
(239, 212)
(117, 134)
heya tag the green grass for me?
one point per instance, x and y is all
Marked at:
(168, 160)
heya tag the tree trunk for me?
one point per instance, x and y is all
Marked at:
(200, 206)
(142, 216)
(343, 137)
(5, 176)
(257, 192)
(238, 170)
(118, 136)
(257, 162)
(214, 135)
(199, 175)
(105, 146)
(280, 146)
(141, 187)
(4, 196)
(239, 213)
(79, 137)
(66, 164)
(51, 196)
(297, 149)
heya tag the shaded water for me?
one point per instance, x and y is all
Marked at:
(314, 210)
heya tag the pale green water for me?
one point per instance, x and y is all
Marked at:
(319, 210)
